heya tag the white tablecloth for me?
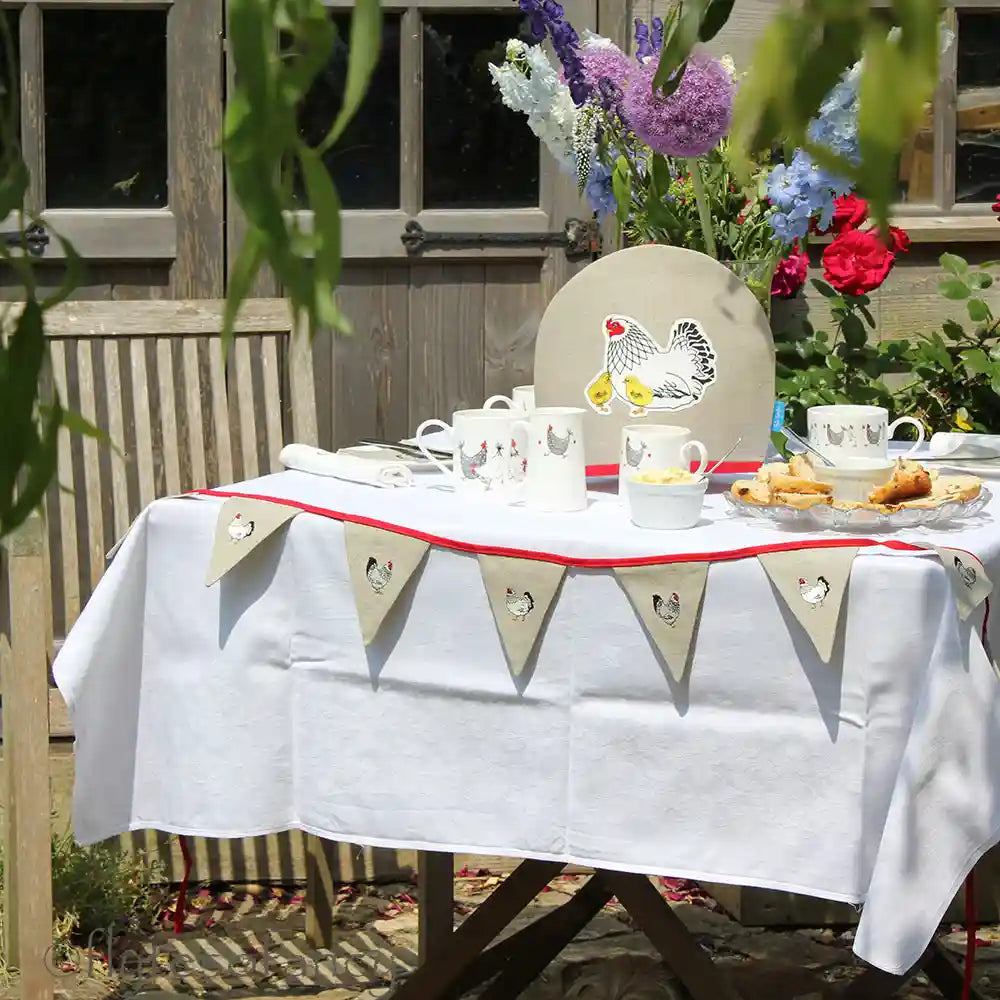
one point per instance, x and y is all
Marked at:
(872, 779)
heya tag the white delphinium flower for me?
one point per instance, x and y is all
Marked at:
(585, 139)
(528, 83)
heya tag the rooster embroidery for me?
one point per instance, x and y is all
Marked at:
(378, 574)
(558, 445)
(814, 594)
(519, 606)
(647, 376)
(669, 610)
(239, 529)
(633, 456)
(967, 574)
(472, 463)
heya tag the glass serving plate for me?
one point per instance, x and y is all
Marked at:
(860, 519)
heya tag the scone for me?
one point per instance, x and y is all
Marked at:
(910, 481)
(795, 484)
(752, 491)
(802, 467)
(803, 501)
(773, 468)
(961, 488)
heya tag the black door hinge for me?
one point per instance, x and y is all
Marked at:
(35, 238)
(580, 239)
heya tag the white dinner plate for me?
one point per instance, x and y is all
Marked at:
(985, 468)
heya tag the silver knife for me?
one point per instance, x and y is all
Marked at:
(405, 449)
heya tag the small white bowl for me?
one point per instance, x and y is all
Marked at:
(853, 479)
(666, 506)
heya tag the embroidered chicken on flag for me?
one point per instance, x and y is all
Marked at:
(650, 377)
(519, 606)
(239, 529)
(379, 574)
(669, 610)
(814, 594)
(967, 574)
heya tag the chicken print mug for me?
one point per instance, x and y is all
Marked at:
(839, 432)
(556, 473)
(488, 454)
(656, 446)
(522, 397)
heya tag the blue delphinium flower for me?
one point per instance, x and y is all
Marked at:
(600, 191)
(836, 126)
(648, 43)
(547, 16)
(799, 191)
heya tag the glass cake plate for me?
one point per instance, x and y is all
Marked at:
(860, 519)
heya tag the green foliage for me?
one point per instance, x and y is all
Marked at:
(261, 143)
(949, 380)
(801, 54)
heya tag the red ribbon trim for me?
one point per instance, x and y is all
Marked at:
(577, 561)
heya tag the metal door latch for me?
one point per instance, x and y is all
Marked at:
(35, 238)
(580, 239)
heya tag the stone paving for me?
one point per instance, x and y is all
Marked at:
(250, 943)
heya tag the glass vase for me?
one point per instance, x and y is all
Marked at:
(757, 276)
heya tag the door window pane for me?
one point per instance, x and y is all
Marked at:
(977, 144)
(105, 108)
(477, 153)
(9, 76)
(364, 163)
(916, 164)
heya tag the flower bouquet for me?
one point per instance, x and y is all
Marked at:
(661, 164)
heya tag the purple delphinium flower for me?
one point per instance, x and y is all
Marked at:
(689, 122)
(610, 94)
(648, 43)
(547, 16)
(600, 190)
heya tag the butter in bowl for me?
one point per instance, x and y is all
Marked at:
(668, 499)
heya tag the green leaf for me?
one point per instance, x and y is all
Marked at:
(980, 279)
(953, 264)
(977, 361)
(824, 289)
(952, 288)
(715, 19)
(953, 330)
(241, 278)
(365, 45)
(325, 204)
(678, 44)
(622, 187)
(979, 311)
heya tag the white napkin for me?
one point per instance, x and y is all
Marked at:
(954, 445)
(372, 471)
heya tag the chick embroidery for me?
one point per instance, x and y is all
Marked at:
(599, 392)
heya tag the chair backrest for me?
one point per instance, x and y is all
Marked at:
(151, 374)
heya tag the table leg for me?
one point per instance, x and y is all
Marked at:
(436, 977)
(670, 937)
(939, 967)
(946, 974)
(542, 941)
(436, 896)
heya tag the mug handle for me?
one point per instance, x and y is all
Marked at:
(907, 420)
(421, 430)
(498, 399)
(702, 454)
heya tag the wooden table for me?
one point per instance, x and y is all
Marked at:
(454, 961)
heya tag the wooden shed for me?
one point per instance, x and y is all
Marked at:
(121, 105)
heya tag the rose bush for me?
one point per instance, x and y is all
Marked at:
(858, 261)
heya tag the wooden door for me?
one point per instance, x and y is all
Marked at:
(447, 327)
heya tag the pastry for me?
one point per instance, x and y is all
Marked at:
(803, 501)
(795, 484)
(752, 491)
(801, 466)
(773, 468)
(960, 488)
(910, 481)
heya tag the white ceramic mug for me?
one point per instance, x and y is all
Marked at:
(556, 474)
(853, 478)
(485, 451)
(856, 431)
(522, 397)
(656, 446)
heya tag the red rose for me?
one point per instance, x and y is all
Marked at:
(790, 274)
(857, 262)
(996, 207)
(899, 240)
(849, 211)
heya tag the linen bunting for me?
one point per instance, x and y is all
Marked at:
(668, 600)
(380, 564)
(242, 525)
(968, 579)
(520, 592)
(812, 583)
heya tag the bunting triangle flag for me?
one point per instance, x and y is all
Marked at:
(668, 600)
(812, 583)
(520, 592)
(968, 579)
(380, 563)
(241, 527)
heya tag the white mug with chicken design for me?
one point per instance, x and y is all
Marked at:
(522, 397)
(489, 456)
(656, 446)
(556, 471)
(839, 432)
